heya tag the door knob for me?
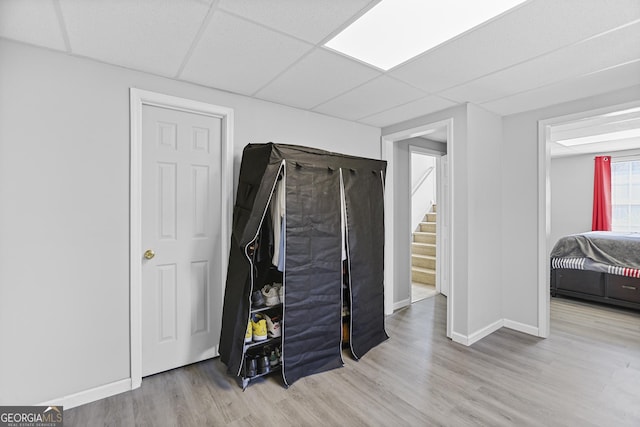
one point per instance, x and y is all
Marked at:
(148, 254)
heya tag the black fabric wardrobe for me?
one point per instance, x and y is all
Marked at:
(319, 187)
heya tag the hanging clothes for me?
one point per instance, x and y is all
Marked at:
(277, 216)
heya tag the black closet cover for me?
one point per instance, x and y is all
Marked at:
(363, 191)
(312, 312)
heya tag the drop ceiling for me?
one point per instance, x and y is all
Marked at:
(541, 53)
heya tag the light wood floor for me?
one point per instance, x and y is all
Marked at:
(420, 291)
(586, 374)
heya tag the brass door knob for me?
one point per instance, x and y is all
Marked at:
(148, 254)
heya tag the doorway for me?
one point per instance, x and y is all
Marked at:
(424, 170)
(200, 312)
(547, 233)
(395, 150)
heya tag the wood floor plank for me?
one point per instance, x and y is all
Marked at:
(586, 373)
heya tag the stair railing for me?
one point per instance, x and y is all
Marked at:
(424, 176)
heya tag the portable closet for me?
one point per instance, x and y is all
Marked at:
(332, 201)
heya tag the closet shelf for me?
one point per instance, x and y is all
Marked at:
(265, 308)
(259, 343)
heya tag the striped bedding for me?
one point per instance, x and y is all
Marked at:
(601, 251)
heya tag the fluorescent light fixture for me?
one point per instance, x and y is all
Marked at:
(397, 30)
(612, 136)
(619, 113)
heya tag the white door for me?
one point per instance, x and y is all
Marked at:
(443, 232)
(181, 199)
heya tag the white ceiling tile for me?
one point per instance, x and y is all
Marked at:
(535, 28)
(31, 22)
(148, 35)
(310, 20)
(372, 97)
(598, 53)
(239, 56)
(617, 78)
(427, 105)
(317, 78)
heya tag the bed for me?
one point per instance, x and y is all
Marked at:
(599, 266)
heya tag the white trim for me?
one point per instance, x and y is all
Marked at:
(401, 304)
(387, 154)
(138, 98)
(544, 204)
(459, 338)
(90, 395)
(479, 334)
(521, 327)
(387, 142)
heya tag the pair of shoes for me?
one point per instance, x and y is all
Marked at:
(258, 329)
(270, 294)
(274, 357)
(273, 326)
(263, 365)
(261, 327)
(250, 366)
(273, 294)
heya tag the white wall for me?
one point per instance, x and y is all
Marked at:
(484, 134)
(520, 201)
(571, 195)
(64, 220)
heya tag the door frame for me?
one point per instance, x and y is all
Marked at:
(138, 99)
(387, 151)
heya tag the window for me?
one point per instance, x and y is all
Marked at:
(625, 198)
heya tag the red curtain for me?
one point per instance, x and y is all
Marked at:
(601, 220)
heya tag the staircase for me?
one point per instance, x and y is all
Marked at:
(423, 251)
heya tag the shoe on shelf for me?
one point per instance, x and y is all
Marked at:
(280, 289)
(263, 365)
(257, 300)
(249, 335)
(250, 366)
(259, 328)
(273, 326)
(273, 360)
(270, 295)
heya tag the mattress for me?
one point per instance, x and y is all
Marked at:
(601, 251)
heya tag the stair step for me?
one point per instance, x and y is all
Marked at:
(433, 208)
(428, 227)
(423, 275)
(431, 217)
(419, 248)
(424, 261)
(424, 237)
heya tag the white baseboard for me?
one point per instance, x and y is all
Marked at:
(91, 395)
(459, 338)
(477, 335)
(521, 327)
(401, 304)
(487, 330)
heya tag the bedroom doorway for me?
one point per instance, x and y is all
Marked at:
(395, 150)
(566, 149)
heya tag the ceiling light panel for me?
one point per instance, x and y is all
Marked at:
(612, 136)
(395, 31)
